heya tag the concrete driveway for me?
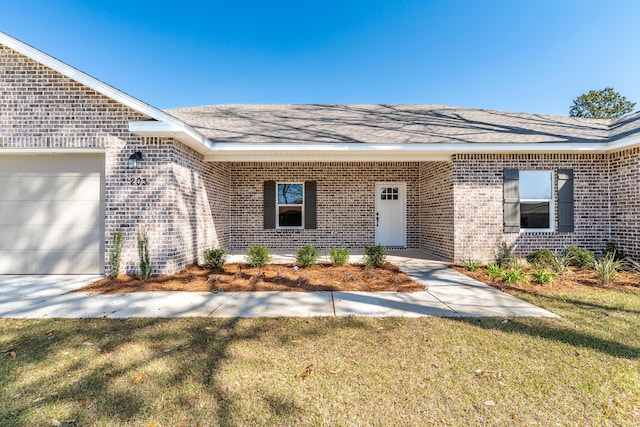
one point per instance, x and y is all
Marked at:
(447, 293)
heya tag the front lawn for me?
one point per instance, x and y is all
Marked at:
(583, 369)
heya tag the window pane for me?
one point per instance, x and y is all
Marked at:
(535, 185)
(289, 194)
(534, 215)
(290, 216)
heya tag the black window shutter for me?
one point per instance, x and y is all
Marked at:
(269, 205)
(511, 204)
(310, 205)
(565, 200)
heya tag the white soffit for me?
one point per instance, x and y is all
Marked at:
(237, 152)
(178, 129)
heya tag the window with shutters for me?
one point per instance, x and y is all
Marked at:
(290, 205)
(536, 200)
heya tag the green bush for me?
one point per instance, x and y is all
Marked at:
(258, 256)
(617, 252)
(579, 257)
(215, 258)
(116, 254)
(515, 275)
(607, 269)
(560, 265)
(542, 276)
(307, 256)
(374, 256)
(338, 256)
(143, 254)
(494, 271)
(543, 258)
(504, 255)
(471, 264)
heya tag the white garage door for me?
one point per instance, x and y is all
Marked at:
(51, 214)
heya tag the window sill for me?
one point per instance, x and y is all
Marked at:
(537, 230)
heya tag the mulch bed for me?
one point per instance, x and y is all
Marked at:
(273, 277)
(577, 281)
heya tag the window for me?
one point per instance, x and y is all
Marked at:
(389, 193)
(536, 200)
(290, 205)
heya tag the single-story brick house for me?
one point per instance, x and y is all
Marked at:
(80, 160)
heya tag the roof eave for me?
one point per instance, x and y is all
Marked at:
(237, 152)
(181, 130)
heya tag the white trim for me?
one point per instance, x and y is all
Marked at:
(278, 226)
(52, 151)
(551, 201)
(185, 132)
(238, 152)
(403, 185)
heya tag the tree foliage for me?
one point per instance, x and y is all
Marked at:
(601, 104)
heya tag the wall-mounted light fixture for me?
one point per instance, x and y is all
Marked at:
(134, 159)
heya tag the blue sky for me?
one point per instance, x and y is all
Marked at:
(530, 56)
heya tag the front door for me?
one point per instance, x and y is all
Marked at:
(390, 214)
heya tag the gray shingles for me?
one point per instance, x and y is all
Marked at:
(382, 124)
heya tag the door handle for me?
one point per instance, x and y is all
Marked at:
(377, 219)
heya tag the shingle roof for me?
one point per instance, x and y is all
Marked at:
(394, 124)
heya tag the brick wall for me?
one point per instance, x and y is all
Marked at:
(183, 205)
(200, 205)
(478, 212)
(625, 200)
(436, 208)
(345, 201)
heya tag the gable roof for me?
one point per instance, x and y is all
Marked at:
(162, 124)
(388, 124)
(396, 132)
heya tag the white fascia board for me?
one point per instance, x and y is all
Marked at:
(189, 133)
(234, 152)
(624, 143)
(177, 131)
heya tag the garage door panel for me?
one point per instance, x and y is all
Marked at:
(74, 238)
(67, 187)
(81, 213)
(51, 214)
(49, 262)
(78, 187)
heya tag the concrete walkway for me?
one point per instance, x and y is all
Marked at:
(448, 293)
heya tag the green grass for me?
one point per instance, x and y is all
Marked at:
(583, 369)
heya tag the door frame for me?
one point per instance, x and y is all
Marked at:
(403, 192)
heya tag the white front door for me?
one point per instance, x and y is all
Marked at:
(390, 213)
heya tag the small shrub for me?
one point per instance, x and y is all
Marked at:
(542, 258)
(215, 258)
(338, 256)
(258, 256)
(494, 271)
(579, 257)
(514, 275)
(631, 265)
(116, 254)
(617, 252)
(471, 264)
(542, 276)
(374, 256)
(504, 255)
(560, 265)
(307, 256)
(143, 254)
(607, 269)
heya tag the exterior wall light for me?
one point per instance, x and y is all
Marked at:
(134, 159)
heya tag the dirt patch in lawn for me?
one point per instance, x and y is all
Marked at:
(576, 281)
(273, 277)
